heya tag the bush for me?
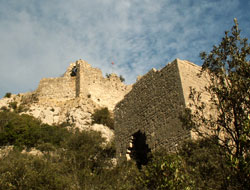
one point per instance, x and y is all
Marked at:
(22, 171)
(164, 171)
(7, 95)
(103, 116)
(108, 75)
(27, 131)
(77, 160)
(85, 157)
(120, 177)
(13, 105)
(4, 108)
(122, 79)
(206, 164)
(22, 108)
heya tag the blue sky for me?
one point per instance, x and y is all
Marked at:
(39, 38)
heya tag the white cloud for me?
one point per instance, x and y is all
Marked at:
(40, 38)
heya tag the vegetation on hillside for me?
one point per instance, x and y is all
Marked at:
(122, 79)
(103, 116)
(7, 95)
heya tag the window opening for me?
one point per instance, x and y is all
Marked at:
(73, 71)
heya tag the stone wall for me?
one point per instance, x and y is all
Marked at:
(153, 107)
(88, 83)
(189, 78)
(104, 91)
(61, 88)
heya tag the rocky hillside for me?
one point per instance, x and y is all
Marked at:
(56, 100)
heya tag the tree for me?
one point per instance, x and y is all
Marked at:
(103, 116)
(206, 163)
(228, 69)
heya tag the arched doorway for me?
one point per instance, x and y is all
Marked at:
(139, 149)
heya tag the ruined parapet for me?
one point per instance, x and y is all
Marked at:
(83, 81)
(103, 91)
(60, 88)
(154, 105)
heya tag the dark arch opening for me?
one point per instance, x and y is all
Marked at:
(139, 149)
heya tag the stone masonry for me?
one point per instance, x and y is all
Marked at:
(88, 83)
(153, 107)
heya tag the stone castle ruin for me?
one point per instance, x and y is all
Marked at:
(82, 81)
(70, 100)
(148, 116)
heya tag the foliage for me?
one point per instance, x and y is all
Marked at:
(108, 75)
(228, 68)
(26, 131)
(13, 105)
(4, 108)
(86, 158)
(22, 108)
(103, 116)
(206, 163)
(7, 95)
(165, 171)
(81, 160)
(22, 171)
(121, 177)
(122, 79)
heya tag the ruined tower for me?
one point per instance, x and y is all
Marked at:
(81, 80)
(148, 116)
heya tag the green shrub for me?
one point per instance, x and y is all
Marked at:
(7, 95)
(13, 105)
(4, 108)
(103, 116)
(206, 164)
(108, 75)
(79, 159)
(22, 108)
(85, 156)
(164, 171)
(22, 171)
(27, 131)
(120, 177)
(122, 79)
(65, 124)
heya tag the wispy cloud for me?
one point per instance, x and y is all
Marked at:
(40, 38)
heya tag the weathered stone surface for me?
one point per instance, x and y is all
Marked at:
(153, 107)
(88, 83)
